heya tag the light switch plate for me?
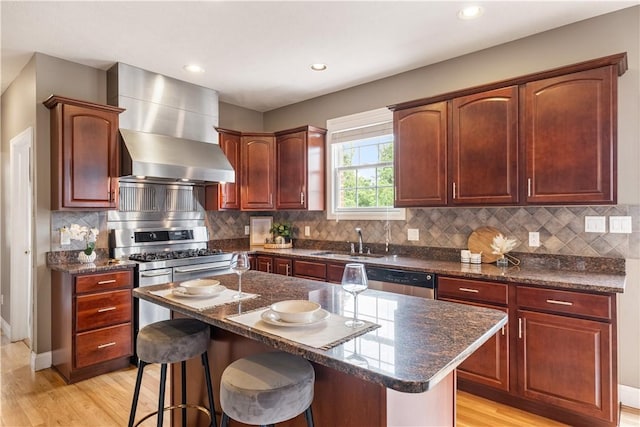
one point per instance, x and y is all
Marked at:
(619, 224)
(307, 230)
(595, 224)
(534, 239)
(413, 234)
(246, 230)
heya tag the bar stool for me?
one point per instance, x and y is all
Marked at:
(171, 341)
(267, 388)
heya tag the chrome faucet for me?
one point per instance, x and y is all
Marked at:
(359, 231)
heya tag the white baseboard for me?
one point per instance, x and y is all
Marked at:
(40, 361)
(629, 396)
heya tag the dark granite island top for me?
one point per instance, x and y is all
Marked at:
(419, 342)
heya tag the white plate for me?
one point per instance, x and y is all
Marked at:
(215, 291)
(271, 317)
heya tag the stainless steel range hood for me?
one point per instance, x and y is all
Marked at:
(164, 157)
(167, 128)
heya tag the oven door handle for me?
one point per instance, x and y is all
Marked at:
(192, 269)
(151, 274)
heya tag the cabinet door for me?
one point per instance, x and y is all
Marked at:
(484, 148)
(258, 172)
(229, 193)
(88, 176)
(264, 263)
(488, 365)
(566, 362)
(420, 156)
(300, 169)
(291, 159)
(283, 266)
(569, 133)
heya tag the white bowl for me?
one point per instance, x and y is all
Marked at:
(295, 311)
(200, 286)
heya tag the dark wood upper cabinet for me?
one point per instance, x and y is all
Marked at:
(542, 138)
(229, 193)
(300, 169)
(569, 137)
(420, 155)
(483, 159)
(84, 154)
(258, 171)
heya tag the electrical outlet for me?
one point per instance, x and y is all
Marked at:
(413, 234)
(307, 230)
(534, 239)
(620, 224)
(246, 230)
(595, 224)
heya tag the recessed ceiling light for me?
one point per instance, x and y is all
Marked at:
(194, 68)
(318, 67)
(470, 12)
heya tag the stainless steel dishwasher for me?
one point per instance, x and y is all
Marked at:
(401, 281)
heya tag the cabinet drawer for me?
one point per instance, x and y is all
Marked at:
(103, 344)
(334, 272)
(104, 281)
(103, 309)
(474, 290)
(565, 302)
(312, 270)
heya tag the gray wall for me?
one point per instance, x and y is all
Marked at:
(18, 113)
(239, 118)
(22, 105)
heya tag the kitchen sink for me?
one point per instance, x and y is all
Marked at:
(346, 255)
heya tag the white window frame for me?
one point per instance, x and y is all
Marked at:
(354, 121)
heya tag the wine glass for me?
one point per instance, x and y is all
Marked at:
(354, 281)
(239, 264)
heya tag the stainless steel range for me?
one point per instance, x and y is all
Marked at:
(168, 252)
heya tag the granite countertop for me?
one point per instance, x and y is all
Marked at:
(419, 343)
(536, 276)
(98, 266)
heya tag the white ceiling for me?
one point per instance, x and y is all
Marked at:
(257, 54)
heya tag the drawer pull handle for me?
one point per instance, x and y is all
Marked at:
(102, 310)
(106, 282)
(555, 301)
(473, 291)
(161, 273)
(109, 344)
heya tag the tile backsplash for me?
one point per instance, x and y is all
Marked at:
(561, 228)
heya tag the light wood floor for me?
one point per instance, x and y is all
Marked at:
(43, 399)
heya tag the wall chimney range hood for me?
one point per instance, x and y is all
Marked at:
(167, 129)
(162, 157)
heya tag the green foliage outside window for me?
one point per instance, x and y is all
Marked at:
(364, 174)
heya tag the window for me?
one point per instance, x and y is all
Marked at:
(361, 167)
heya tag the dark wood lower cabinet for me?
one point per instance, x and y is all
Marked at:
(566, 362)
(558, 359)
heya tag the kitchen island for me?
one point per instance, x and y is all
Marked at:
(399, 374)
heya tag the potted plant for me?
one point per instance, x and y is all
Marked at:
(89, 235)
(281, 232)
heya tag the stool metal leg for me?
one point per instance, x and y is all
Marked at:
(136, 393)
(183, 371)
(225, 420)
(163, 380)
(308, 414)
(207, 379)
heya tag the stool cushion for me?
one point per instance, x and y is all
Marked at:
(171, 341)
(267, 388)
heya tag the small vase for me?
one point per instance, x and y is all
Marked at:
(84, 258)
